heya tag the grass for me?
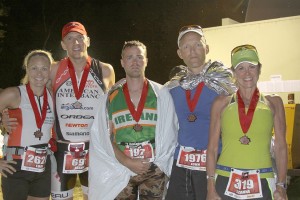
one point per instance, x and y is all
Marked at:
(78, 191)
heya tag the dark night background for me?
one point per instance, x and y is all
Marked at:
(36, 24)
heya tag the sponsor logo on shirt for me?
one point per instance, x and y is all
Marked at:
(77, 125)
(76, 105)
(77, 117)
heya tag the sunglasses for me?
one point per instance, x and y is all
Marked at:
(243, 47)
(188, 27)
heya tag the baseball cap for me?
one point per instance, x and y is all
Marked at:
(73, 27)
(244, 53)
(189, 28)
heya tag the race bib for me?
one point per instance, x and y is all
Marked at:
(34, 159)
(191, 158)
(76, 159)
(244, 184)
(140, 150)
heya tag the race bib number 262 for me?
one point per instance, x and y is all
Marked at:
(34, 159)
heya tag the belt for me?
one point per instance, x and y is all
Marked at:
(61, 147)
(18, 150)
(133, 143)
(229, 169)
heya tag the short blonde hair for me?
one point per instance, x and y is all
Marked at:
(37, 52)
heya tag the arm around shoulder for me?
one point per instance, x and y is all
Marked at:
(108, 75)
(10, 98)
(54, 68)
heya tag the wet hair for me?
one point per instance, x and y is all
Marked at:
(133, 43)
(37, 52)
(259, 67)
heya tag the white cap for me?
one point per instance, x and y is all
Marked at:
(190, 28)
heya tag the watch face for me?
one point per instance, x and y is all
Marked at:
(210, 177)
(283, 185)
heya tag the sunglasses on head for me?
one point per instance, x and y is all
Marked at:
(243, 47)
(184, 28)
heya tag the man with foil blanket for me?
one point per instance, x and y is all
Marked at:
(194, 89)
(134, 137)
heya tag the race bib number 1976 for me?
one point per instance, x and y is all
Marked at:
(191, 158)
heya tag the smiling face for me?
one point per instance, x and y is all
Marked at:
(247, 75)
(134, 61)
(76, 45)
(193, 50)
(38, 71)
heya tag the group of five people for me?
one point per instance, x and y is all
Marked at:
(126, 139)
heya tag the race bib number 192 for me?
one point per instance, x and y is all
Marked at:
(140, 150)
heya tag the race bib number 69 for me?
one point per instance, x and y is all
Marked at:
(76, 159)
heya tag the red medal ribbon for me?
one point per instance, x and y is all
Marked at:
(39, 118)
(246, 118)
(136, 114)
(193, 102)
(78, 92)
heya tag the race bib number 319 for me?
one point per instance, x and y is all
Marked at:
(244, 184)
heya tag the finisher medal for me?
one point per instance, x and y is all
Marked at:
(192, 118)
(137, 128)
(245, 140)
(38, 134)
(246, 117)
(136, 114)
(39, 117)
(78, 91)
(192, 102)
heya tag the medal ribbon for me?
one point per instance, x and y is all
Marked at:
(193, 102)
(78, 92)
(136, 114)
(246, 118)
(39, 117)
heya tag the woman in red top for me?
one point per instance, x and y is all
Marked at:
(26, 168)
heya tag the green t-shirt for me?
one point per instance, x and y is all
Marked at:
(123, 121)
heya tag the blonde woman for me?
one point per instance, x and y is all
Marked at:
(26, 168)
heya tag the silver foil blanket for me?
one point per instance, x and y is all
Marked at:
(215, 76)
